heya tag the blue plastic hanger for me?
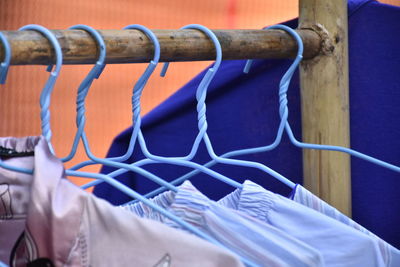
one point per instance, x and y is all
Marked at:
(201, 95)
(44, 101)
(283, 112)
(141, 82)
(94, 73)
(7, 58)
(182, 161)
(46, 131)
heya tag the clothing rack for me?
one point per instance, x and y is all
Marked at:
(132, 46)
(323, 74)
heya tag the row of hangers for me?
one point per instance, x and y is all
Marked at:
(138, 137)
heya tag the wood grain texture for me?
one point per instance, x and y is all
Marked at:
(325, 103)
(133, 46)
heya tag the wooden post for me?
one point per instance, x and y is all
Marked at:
(133, 46)
(325, 102)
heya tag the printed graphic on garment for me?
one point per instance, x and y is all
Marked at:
(24, 249)
(164, 262)
(5, 202)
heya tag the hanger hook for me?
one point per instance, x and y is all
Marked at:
(83, 89)
(151, 36)
(202, 88)
(53, 40)
(100, 45)
(285, 80)
(294, 34)
(212, 36)
(93, 74)
(140, 84)
(48, 88)
(7, 58)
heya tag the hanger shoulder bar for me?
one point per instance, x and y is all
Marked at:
(132, 46)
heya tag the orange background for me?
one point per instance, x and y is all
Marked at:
(108, 103)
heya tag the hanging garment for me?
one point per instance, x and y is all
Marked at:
(246, 236)
(390, 255)
(242, 112)
(338, 244)
(47, 220)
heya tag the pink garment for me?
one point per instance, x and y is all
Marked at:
(54, 219)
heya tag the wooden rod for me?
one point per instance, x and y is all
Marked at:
(133, 46)
(325, 102)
